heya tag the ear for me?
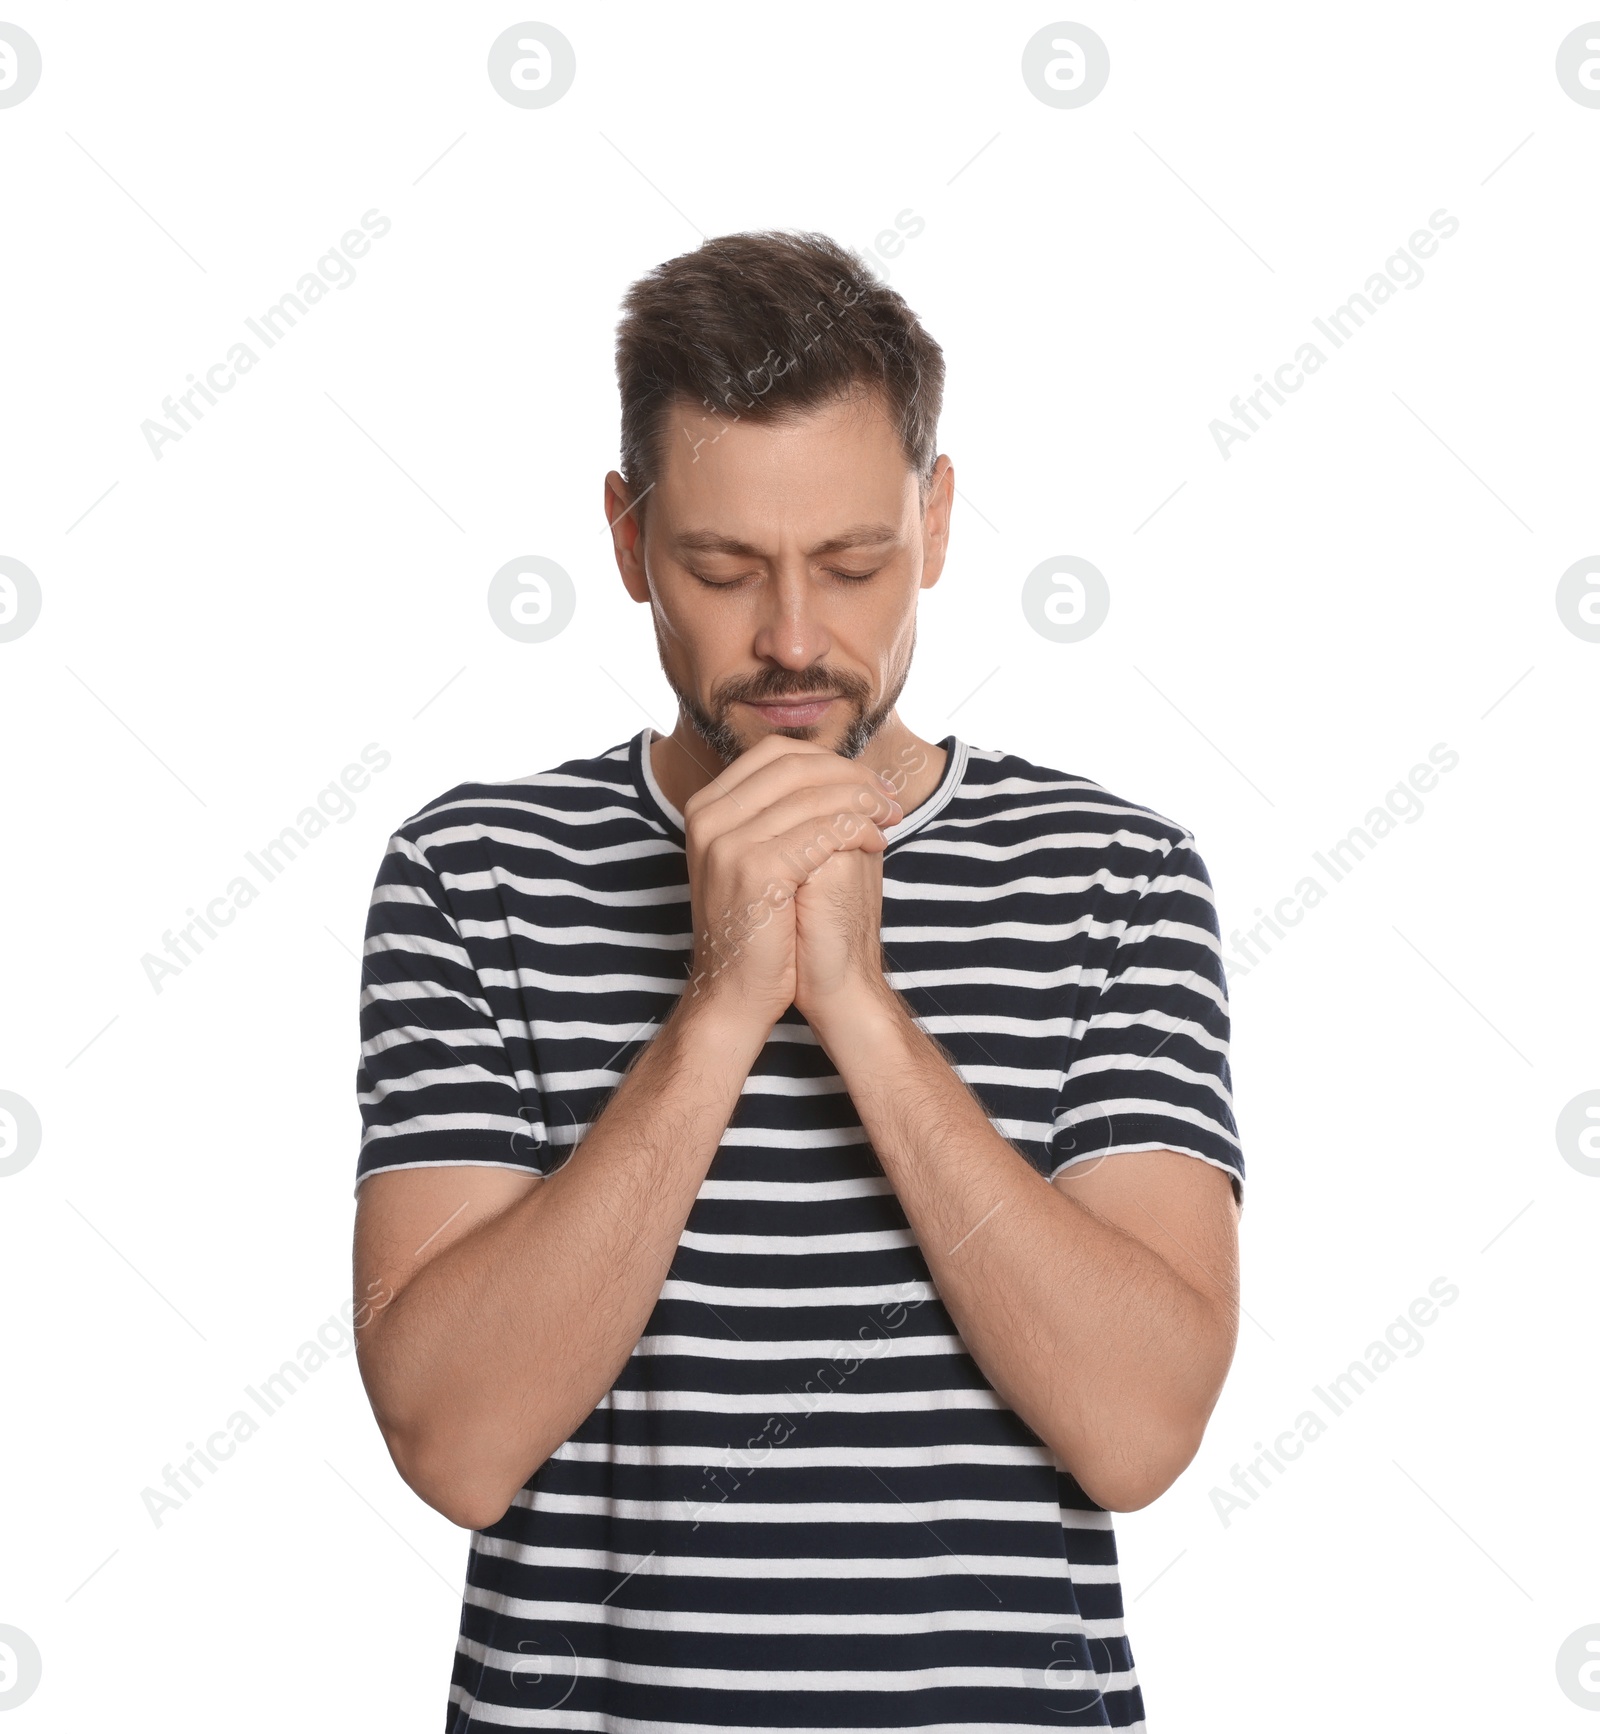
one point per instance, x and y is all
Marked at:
(936, 520)
(627, 538)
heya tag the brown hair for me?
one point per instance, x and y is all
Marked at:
(765, 325)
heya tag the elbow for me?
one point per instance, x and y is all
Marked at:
(1119, 1495)
(447, 1470)
(438, 1478)
(469, 1512)
(467, 1467)
(1138, 1475)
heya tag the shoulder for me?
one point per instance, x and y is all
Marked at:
(580, 794)
(1039, 802)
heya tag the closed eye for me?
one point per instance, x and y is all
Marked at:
(832, 571)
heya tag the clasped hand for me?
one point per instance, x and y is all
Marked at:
(785, 855)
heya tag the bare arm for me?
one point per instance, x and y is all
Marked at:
(496, 1308)
(1104, 1309)
(509, 1303)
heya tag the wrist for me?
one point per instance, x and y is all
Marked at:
(856, 1015)
(714, 1015)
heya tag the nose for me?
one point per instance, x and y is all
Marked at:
(790, 630)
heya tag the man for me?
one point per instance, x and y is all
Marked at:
(799, 1169)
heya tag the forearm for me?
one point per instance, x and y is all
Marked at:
(494, 1353)
(1084, 1331)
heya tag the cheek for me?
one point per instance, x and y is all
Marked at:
(689, 638)
(880, 629)
(894, 646)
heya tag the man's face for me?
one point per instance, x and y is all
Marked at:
(782, 562)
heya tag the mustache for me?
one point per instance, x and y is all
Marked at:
(780, 684)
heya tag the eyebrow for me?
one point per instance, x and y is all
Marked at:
(857, 536)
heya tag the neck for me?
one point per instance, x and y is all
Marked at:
(684, 764)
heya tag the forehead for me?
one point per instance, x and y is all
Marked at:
(814, 472)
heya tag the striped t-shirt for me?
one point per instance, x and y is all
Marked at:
(802, 1505)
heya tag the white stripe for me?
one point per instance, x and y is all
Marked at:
(1137, 1144)
(565, 1720)
(561, 815)
(420, 1080)
(1160, 1020)
(794, 1403)
(619, 981)
(525, 885)
(713, 1508)
(403, 1035)
(1034, 808)
(416, 945)
(975, 1621)
(1147, 1063)
(886, 1295)
(828, 1568)
(767, 1679)
(810, 1456)
(767, 1191)
(1114, 1105)
(1035, 884)
(402, 993)
(505, 926)
(513, 838)
(780, 1138)
(874, 1348)
(798, 1245)
(507, 1123)
(446, 1162)
(1040, 931)
(581, 1029)
(989, 975)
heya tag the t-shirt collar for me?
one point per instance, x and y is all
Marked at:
(659, 807)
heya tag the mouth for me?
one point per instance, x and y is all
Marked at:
(790, 713)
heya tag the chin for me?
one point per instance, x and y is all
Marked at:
(843, 737)
(848, 736)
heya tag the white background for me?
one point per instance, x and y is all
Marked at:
(305, 572)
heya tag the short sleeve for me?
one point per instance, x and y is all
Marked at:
(1148, 1067)
(435, 1085)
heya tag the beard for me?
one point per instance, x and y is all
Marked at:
(719, 734)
